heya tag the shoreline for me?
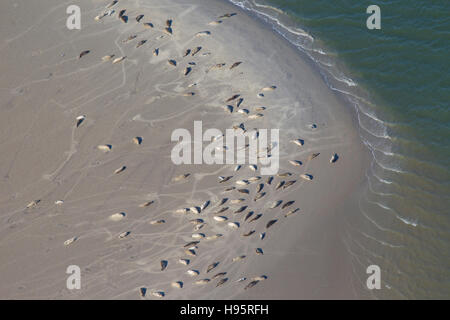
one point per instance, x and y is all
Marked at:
(304, 255)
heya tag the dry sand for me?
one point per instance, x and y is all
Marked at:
(45, 86)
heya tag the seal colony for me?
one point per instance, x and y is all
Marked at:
(173, 231)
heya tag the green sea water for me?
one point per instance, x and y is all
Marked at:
(397, 79)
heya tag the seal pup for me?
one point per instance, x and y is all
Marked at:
(83, 53)
(234, 97)
(276, 204)
(233, 225)
(205, 205)
(111, 4)
(186, 53)
(191, 244)
(123, 18)
(198, 235)
(314, 155)
(284, 174)
(117, 60)
(164, 264)
(80, 120)
(187, 70)
(168, 30)
(195, 51)
(132, 37)
(184, 261)
(222, 202)
(238, 258)
(334, 158)
(255, 116)
(202, 281)
(289, 183)
(234, 65)
(158, 294)
(249, 233)
(236, 201)
(107, 57)
(271, 88)
(291, 212)
(242, 182)
(124, 234)
(137, 140)
(155, 222)
(121, 169)
(259, 251)
(212, 266)
(177, 284)
(280, 184)
(306, 176)
(215, 23)
(214, 237)
(203, 33)
(100, 16)
(254, 179)
(224, 179)
(193, 273)
(146, 204)
(220, 218)
(59, 202)
(259, 196)
(196, 210)
(141, 43)
(117, 216)
(196, 222)
(181, 177)
(298, 142)
(70, 241)
(271, 223)
(183, 210)
(227, 15)
(241, 279)
(296, 163)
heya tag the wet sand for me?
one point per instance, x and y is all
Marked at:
(47, 155)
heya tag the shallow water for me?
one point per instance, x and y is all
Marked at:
(397, 79)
